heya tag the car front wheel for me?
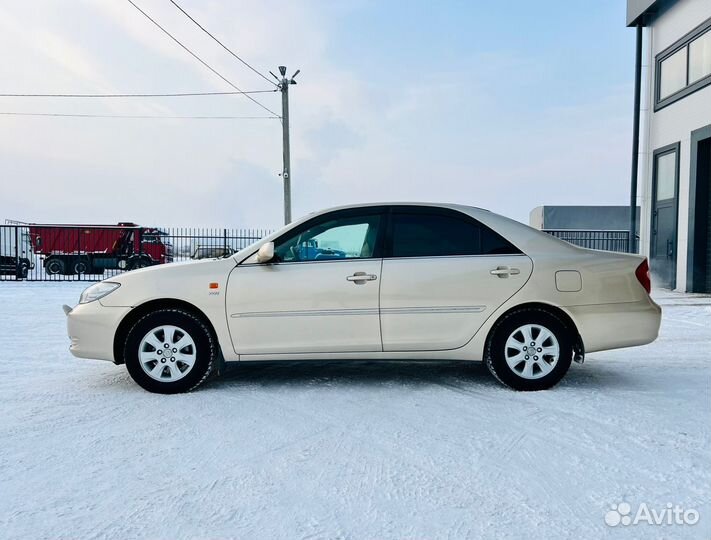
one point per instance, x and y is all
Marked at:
(170, 351)
(530, 349)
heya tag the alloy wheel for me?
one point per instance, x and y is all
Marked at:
(167, 353)
(532, 351)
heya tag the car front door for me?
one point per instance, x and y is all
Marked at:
(318, 295)
(444, 274)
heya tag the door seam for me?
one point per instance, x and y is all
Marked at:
(380, 318)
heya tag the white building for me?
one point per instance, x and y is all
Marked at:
(675, 134)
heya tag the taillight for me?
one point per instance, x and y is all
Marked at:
(642, 274)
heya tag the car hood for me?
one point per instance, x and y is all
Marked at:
(172, 280)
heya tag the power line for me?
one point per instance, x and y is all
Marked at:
(208, 66)
(139, 116)
(177, 94)
(221, 44)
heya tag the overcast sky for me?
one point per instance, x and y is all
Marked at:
(505, 105)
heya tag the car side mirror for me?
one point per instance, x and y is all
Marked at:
(265, 253)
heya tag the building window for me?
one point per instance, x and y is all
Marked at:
(684, 67)
(672, 76)
(666, 176)
(700, 57)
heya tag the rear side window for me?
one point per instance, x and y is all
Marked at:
(440, 235)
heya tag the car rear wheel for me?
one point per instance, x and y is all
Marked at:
(530, 349)
(170, 351)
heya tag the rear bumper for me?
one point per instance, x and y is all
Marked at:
(91, 328)
(614, 326)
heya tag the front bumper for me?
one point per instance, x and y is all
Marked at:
(614, 326)
(91, 328)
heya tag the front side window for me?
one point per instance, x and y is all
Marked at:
(330, 239)
(150, 239)
(439, 235)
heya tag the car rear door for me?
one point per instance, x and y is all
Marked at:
(443, 275)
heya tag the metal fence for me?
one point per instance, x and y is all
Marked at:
(607, 240)
(91, 253)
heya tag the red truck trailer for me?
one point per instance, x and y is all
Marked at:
(92, 249)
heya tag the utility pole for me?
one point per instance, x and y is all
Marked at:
(283, 86)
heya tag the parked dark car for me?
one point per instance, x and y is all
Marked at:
(212, 252)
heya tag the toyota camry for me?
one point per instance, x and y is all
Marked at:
(400, 281)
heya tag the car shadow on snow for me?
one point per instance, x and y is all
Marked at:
(354, 372)
(459, 374)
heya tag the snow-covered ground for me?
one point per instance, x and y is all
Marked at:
(349, 450)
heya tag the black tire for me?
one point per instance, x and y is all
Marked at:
(54, 266)
(495, 356)
(138, 262)
(22, 270)
(81, 267)
(206, 350)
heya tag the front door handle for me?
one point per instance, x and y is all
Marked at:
(504, 271)
(359, 278)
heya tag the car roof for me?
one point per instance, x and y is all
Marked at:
(452, 206)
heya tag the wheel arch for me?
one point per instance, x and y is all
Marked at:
(566, 319)
(143, 309)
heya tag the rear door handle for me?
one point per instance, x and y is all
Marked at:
(359, 278)
(505, 271)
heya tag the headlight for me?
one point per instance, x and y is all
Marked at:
(98, 290)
